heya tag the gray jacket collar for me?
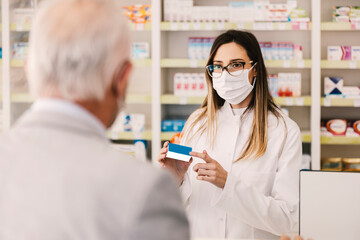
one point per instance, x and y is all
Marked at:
(63, 122)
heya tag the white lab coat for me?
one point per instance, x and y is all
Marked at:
(260, 199)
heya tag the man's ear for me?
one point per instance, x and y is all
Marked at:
(122, 79)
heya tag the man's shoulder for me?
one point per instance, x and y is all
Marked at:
(130, 168)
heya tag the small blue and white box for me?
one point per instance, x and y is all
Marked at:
(179, 152)
(333, 86)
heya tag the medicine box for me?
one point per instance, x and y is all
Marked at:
(190, 84)
(333, 85)
(241, 11)
(21, 16)
(339, 53)
(20, 50)
(355, 53)
(179, 152)
(172, 125)
(140, 50)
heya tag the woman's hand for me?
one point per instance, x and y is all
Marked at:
(287, 238)
(177, 167)
(210, 171)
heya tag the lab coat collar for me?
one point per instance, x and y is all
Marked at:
(227, 112)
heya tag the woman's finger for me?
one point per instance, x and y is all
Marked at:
(164, 150)
(207, 158)
(206, 178)
(197, 154)
(206, 166)
(162, 157)
(284, 238)
(203, 172)
(204, 156)
(166, 144)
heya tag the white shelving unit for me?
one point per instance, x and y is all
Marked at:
(150, 89)
(345, 34)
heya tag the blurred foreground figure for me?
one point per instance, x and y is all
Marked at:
(59, 176)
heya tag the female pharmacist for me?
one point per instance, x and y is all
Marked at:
(243, 179)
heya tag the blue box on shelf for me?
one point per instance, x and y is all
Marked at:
(172, 125)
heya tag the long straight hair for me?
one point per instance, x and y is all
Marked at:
(262, 102)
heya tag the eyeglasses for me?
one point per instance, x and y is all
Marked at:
(234, 69)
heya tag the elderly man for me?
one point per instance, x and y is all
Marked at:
(59, 176)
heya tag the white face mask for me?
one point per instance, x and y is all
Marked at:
(233, 89)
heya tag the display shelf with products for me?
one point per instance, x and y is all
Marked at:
(166, 136)
(140, 26)
(194, 63)
(137, 62)
(17, 63)
(142, 62)
(129, 135)
(281, 101)
(172, 99)
(340, 102)
(219, 26)
(305, 136)
(26, 27)
(326, 64)
(339, 61)
(130, 98)
(339, 26)
(340, 140)
(168, 41)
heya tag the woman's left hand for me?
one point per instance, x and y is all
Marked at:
(210, 171)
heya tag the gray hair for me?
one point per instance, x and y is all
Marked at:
(76, 46)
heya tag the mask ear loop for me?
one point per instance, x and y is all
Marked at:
(254, 81)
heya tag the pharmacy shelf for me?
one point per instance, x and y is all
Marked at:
(21, 98)
(306, 137)
(147, 135)
(172, 99)
(340, 102)
(140, 26)
(166, 136)
(132, 26)
(182, 63)
(219, 26)
(193, 63)
(130, 98)
(326, 64)
(334, 26)
(20, 27)
(142, 62)
(340, 140)
(306, 63)
(282, 101)
(138, 98)
(17, 63)
(137, 62)
(293, 101)
(128, 135)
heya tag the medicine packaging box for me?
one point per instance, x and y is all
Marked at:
(179, 152)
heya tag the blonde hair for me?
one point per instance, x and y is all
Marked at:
(262, 102)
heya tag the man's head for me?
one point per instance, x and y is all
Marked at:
(79, 51)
